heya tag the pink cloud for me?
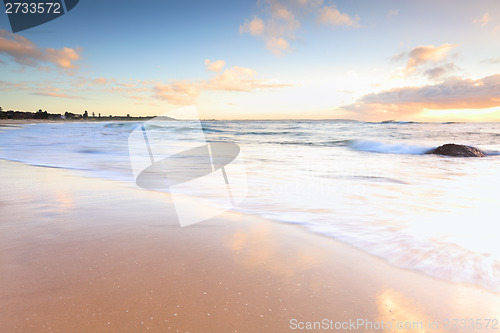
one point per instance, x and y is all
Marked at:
(331, 15)
(232, 79)
(453, 93)
(25, 52)
(428, 60)
(100, 81)
(280, 21)
(178, 92)
(56, 94)
(215, 66)
(483, 21)
(255, 27)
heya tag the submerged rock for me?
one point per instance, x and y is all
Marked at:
(452, 149)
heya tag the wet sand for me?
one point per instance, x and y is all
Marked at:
(87, 255)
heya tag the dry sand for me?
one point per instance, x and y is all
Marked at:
(87, 255)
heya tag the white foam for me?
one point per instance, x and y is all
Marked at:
(391, 148)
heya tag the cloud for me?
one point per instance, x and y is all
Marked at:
(234, 79)
(215, 66)
(310, 3)
(9, 86)
(492, 60)
(330, 15)
(279, 26)
(178, 92)
(26, 53)
(393, 12)
(437, 72)
(483, 21)
(281, 13)
(100, 81)
(239, 79)
(242, 79)
(255, 27)
(428, 60)
(63, 58)
(37, 88)
(55, 94)
(426, 54)
(19, 48)
(277, 45)
(454, 93)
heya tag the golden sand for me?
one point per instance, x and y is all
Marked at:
(87, 255)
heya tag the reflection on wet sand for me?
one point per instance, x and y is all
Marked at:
(405, 314)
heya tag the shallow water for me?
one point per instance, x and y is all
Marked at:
(366, 184)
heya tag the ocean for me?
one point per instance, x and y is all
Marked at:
(367, 184)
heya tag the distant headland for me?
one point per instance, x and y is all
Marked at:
(85, 116)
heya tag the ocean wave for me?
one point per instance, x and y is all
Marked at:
(396, 122)
(302, 143)
(491, 152)
(439, 259)
(127, 125)
(387, 148)
(214, 130)
(270, 133)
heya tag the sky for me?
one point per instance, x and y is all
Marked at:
(368, 60)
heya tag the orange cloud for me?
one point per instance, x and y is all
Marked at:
(483, 21)
(37, 88)
(55, 94)
(178, 92)
(280, 24)
(277, 45)
(215, 66)
(137, 98)
(8, 86)
(454, 93)
(232, 79)
(254, 27)
(63, 58)
(25, 52)
(425, 54)
(19, 48)
(100, 81)
(330, 15)
(428, 60)
(279, 27)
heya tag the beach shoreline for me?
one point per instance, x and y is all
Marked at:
(85, 255)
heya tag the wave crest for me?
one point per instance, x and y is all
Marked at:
(387, 148)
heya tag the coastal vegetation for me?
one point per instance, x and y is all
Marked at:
(44, 115)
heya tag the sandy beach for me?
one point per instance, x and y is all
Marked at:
(260, 166)
(88, 255)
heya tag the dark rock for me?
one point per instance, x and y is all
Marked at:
(452, 149)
